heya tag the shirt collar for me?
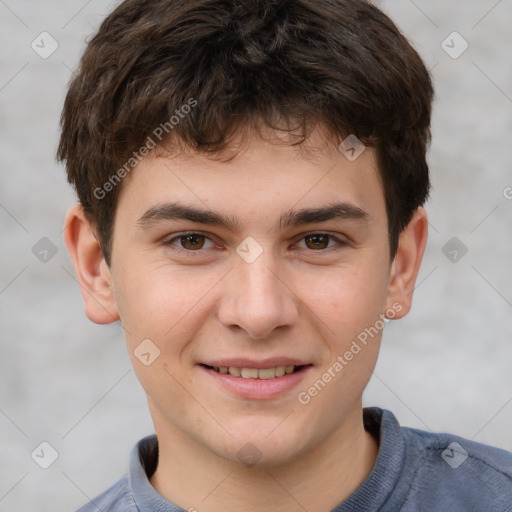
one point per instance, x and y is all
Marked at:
(372, 494)
(378, 486)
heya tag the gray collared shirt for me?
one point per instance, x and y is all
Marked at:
(415, 471)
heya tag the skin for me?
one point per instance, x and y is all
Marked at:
(299, 298)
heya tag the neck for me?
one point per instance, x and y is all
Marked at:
(193, 477)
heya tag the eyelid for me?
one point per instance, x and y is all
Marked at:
(341, 241)
(169, 242)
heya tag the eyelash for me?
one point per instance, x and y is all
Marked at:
(170, 242)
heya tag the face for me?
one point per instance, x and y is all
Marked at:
(276, 262)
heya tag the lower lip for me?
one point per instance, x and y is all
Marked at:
(258, 389)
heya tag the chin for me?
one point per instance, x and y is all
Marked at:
(264, 443)
(256, 456)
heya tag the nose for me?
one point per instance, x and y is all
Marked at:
(258, 299)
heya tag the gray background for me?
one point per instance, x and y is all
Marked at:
(67, 381)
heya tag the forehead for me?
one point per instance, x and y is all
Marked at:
(264, 180)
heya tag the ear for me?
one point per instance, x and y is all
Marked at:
(92, 271)
(406, 264)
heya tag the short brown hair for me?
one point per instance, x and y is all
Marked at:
(342, 64)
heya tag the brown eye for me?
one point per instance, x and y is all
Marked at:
(317, 241)
(322, 242)
(192, 242)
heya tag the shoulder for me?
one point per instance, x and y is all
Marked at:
(459, 473)
(117, 498)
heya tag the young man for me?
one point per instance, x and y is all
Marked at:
(251, 175)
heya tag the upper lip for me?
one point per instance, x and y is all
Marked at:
(252, 363)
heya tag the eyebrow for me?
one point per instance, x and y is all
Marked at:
(177, 211)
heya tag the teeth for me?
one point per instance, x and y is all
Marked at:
(267, 373)
(249, 373)
(255, 373)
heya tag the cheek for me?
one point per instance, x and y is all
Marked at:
(160, 303)
(165, 307)
(351, 326)
(347, 300)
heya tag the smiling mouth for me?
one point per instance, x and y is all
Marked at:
(256, 373)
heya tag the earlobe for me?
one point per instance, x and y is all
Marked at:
(92, 272)
(406, 264)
